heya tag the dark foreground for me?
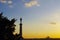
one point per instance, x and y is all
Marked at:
(44, 39)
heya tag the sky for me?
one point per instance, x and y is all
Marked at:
(41, 18)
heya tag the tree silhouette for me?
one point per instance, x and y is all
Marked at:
(7, 28)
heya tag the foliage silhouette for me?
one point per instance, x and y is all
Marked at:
(7, 28)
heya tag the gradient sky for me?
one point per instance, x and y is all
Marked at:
(41, 18)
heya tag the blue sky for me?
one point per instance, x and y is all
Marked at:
(37, 15)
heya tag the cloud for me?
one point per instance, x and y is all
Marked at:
(32, 3)
(6, 1)
(10, 2)
(3, 1)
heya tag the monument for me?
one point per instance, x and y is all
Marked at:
(21, 38)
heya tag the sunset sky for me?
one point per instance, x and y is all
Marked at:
(41, 18)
